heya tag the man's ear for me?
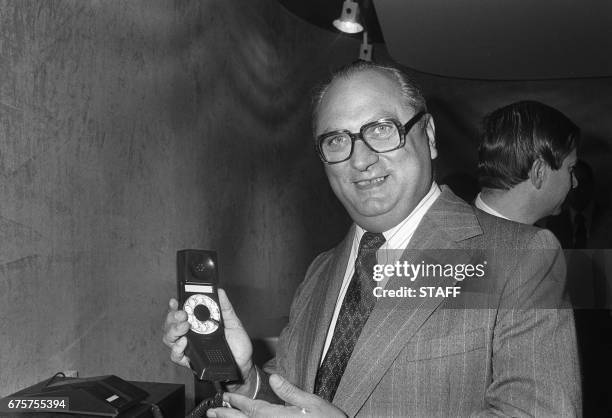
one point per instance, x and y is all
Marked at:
(538, 173)
(430, 131)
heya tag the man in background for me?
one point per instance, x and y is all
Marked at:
(346, 352)
(527, 167)
(526, 159)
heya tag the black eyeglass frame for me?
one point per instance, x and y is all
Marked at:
(402, 130)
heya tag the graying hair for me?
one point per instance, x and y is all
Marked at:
(408, 87)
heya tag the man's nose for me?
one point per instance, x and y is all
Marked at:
(363, 157)
(574, 181)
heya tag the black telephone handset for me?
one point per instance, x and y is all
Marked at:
(210, 356)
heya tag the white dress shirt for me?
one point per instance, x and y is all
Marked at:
(480, 204)
(397, 238)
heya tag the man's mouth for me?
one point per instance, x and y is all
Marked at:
(366, 184)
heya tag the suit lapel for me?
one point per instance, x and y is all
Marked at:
(324, 301)
(394, 321)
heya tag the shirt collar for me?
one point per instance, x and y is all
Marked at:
(400, 234)
(480, 204)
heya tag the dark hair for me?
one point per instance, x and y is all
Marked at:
(408, 88)
(514, 136)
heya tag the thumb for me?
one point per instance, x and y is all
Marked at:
(288, 392)
(227, 311)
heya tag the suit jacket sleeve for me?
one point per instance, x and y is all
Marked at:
(286, 366)
(535, 370)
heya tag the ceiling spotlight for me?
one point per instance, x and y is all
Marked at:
(349, 19)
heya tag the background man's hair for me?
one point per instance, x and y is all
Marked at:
(408, 87)
(514, 136)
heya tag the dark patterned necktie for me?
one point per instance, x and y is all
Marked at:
(356, 307)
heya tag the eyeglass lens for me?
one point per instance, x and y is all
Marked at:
(381, 137)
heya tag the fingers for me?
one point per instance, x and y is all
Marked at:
(248, 406)
(227, 311)
(175, 327)
(177, 354)
(174, 315)
(289, 393)
(225, 413)
(257, 408)
(176, 324)
(175, 330)
(226, 305)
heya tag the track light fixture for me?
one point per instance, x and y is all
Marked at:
(348, 22)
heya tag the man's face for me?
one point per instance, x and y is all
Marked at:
(558, 184)
(378, 190)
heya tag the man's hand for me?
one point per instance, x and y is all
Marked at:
(302, 404)
(176, 326)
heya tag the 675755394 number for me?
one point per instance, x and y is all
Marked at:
(34, 403)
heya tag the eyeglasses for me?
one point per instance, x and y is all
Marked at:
(383, 135)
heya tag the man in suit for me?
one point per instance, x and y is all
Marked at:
(527, 167)
(496, 348)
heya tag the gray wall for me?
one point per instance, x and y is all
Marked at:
(129, 130)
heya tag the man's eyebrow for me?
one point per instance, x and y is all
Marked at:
(383, 115)
(329, 130)
(373, 118)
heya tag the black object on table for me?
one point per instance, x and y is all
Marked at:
(154, 400)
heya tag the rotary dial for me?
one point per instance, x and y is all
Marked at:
(203, 314)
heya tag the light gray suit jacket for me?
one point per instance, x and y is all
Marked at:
(430, 358)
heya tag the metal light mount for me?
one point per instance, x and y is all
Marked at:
(365, 49)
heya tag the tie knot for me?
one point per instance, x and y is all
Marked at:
(371, 241)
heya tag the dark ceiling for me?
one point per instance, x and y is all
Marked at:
(484, 39)
(323, 12)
